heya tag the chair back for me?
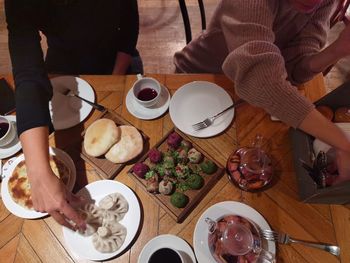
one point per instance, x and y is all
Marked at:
(186, 19)
(340, 12)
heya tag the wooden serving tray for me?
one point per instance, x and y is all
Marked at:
(179, 214)
(106, 168)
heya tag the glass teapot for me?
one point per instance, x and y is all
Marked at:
(233, 238)
(250, 168)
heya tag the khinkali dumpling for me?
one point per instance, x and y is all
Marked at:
(93, 218)
(109, 237)
(115, 207)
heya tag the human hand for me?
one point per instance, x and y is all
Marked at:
(343, 163)
(50, 195)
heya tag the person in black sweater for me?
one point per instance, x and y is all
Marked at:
(83, 37)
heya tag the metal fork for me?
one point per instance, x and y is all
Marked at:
(97, 106)
(283, 238)
(209, 121)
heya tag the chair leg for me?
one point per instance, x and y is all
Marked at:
(186, 20)
(202, 10)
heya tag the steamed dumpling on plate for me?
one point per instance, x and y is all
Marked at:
(93, 218)
(114, 207)
(109, 237)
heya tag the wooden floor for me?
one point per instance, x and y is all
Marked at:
(161, 34)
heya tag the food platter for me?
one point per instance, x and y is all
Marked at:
(8, 170)
(81, 246)
(182, 175)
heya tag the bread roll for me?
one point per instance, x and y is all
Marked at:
(326, 111)
(100, 136)
(342, 114)
(128, 147)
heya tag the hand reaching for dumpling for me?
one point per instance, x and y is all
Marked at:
(102, 222)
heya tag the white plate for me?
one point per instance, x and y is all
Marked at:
(196, 101)
(14, 146)
(8, 169)
(65, 111)
(81, 246)
(200, 238)
(169, 241)
(150, 113)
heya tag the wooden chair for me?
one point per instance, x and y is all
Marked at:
(186, 19)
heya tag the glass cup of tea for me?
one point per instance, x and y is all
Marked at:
(7, 132)
(146, 91)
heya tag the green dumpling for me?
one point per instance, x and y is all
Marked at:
(208, 167)
(195, 181)
(179, 200)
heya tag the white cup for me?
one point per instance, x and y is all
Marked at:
(181, 255)
(10, 134)
(146, 91)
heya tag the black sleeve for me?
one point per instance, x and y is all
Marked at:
(129, 26)
(33, 88)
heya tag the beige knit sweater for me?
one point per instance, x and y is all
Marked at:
(258, 44)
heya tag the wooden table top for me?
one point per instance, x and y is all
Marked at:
(42, 240)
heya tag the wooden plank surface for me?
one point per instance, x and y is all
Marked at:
(42, 240)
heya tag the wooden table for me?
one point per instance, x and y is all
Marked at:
(42, 240)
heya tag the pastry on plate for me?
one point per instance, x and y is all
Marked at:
(19, 186)
(100, 136)
(128, 147)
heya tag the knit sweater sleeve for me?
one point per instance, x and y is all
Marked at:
(308, 42)
(256, 65)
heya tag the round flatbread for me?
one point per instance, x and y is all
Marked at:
(19, 186)
(128, 147)
(100, 136)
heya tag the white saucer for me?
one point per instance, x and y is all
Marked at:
(217, 211)
(169, 241)
(14, 146)
(65, 111)
(150, 113)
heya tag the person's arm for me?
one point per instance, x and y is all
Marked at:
(128, 34)
(339, 49)
(48, 193)
(303, 55)
(122, 63)
(33, 92)
(257, 68)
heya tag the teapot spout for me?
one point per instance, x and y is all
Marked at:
(211, 225)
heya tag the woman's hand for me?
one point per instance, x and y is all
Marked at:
(50, 195)
(343, 164)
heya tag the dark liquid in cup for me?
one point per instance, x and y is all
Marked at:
(165, 255)
(4, 127)
(147, 94)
